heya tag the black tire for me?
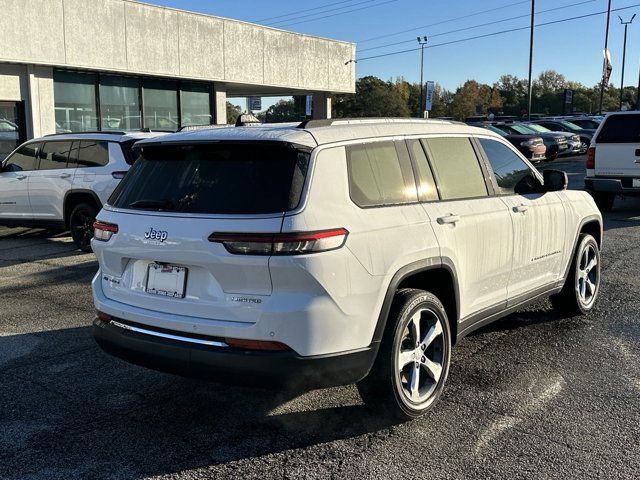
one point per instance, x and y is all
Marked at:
(552, 153)
(387, 389)
(604, 200)
(569, 300)
(81, 222)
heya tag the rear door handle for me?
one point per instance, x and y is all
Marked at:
(65, 175)
(448, 219)
(21, 177)
(520, 208)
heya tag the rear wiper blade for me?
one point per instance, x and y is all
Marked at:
(158, 204)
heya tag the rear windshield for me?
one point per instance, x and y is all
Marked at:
(222, 178)
(620, 129)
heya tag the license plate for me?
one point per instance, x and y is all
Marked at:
(166, 280)
(636, 183)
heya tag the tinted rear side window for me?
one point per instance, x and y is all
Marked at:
(456, 167)
(93, 154)
(224, 178)
(379, 176)
(620, 129)
(23, 160)
(54, 155)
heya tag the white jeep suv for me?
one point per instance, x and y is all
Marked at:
(62, 181)
(613, 159)
(333, 252)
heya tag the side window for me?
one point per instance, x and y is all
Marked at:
(426, 184)
(620, 129)
(93, 153)
(54, 155)
(23, 160)
(378, 175)
(511, 172)
(456, 168)
(550, 126)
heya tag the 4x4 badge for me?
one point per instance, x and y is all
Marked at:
(156, 235)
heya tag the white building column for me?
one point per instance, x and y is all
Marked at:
(41, 118)
(321, 105)
(220, 99)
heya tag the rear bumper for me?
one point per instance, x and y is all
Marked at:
(233, 366)
(610, 185)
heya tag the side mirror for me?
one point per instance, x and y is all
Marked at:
(555, 180)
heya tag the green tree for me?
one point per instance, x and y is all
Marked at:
(373, 98)
(233, 112)
(283, 111)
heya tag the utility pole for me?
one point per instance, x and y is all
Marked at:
(606, 45)
(638, 92)
(533, 17)
(624, 54)
(422, 41)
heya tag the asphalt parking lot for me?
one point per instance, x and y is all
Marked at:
(533, 395)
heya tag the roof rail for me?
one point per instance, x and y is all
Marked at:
(190, 128)
(92, 132)
(365, 121)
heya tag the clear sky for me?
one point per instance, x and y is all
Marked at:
(572, 48)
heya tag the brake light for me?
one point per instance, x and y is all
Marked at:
(591, 157)
(103, 231)
(295, 243)
(256, 345)
(118, 175)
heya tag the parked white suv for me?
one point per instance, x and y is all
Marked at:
(613, 159)
(333, 252)
(62, 181)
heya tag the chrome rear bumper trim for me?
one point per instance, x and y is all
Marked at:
(210, 343)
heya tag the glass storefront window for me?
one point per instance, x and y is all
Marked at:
(119, 103)
(160, 100)
(75, 101)
(195, 105)
(11, 127)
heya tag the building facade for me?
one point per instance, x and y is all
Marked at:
(86, 65)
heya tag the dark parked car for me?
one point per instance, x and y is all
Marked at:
(531, 146)
(556, 142)
(566, 126)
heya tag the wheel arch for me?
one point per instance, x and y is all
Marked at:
(436, 275)
(74, 197)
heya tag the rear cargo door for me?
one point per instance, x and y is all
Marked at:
(168, 207)
(618, 147)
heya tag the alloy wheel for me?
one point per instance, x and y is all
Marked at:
(588, 276)
(421, 356)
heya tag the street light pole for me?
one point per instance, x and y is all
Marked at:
(606, 45)
(624, 54)
(533, 16)
(422, 41)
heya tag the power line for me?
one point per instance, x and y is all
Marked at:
(336, 14)
(442, 22)
(477, 26)
(498, 33)
(303, 11)
(330, 10)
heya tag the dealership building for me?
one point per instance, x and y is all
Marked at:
(87, 65)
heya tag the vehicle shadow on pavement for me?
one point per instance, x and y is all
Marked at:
(21, 245)
(69, 410)
(626, 213)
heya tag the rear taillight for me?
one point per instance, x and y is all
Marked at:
(103, 231)
(118, 175)
(295, 243)
(591, 157)
(103, 317)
